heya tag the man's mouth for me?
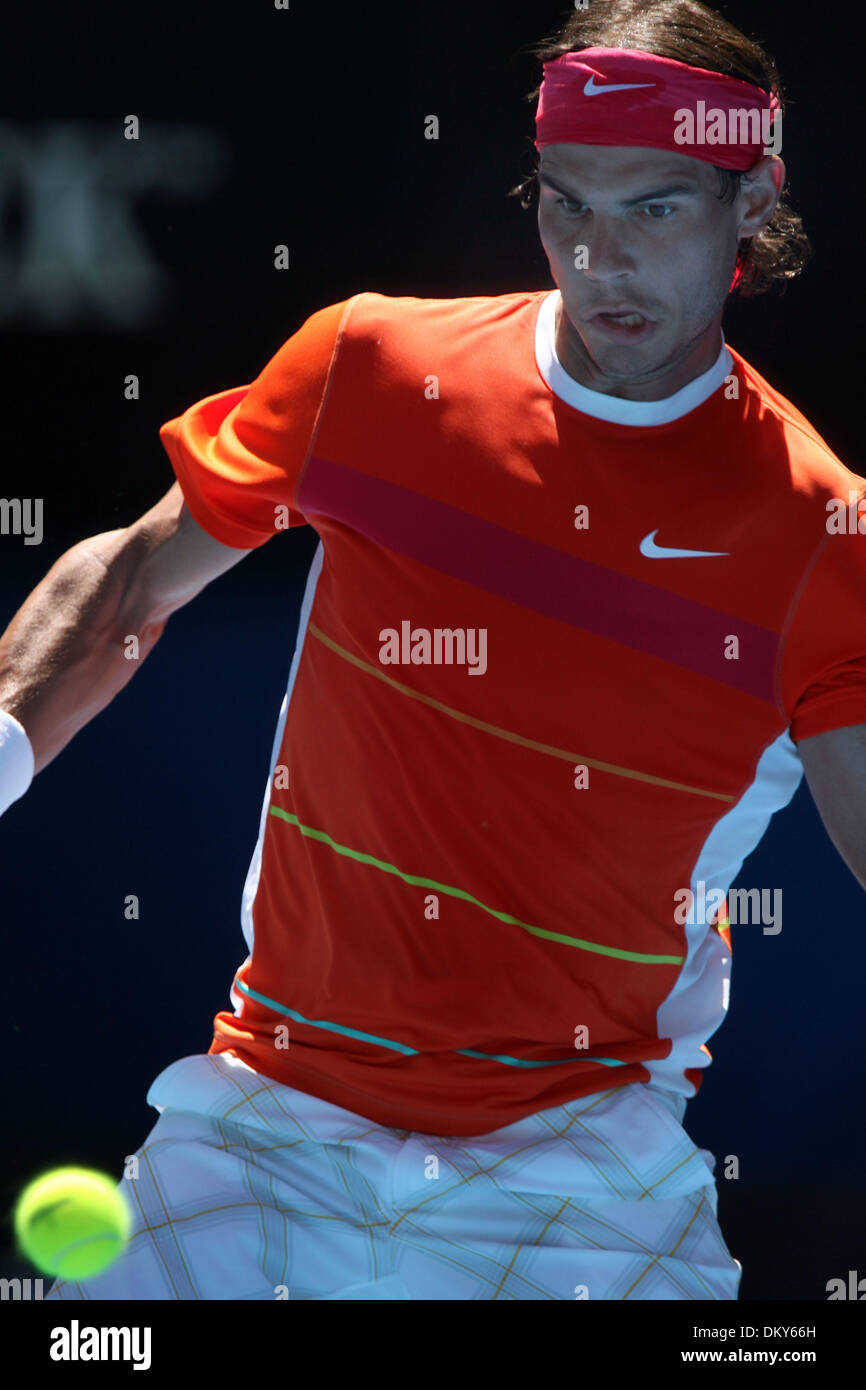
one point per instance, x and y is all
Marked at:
(627, 320)
(628, 323)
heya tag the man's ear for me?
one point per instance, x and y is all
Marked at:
(760, 192)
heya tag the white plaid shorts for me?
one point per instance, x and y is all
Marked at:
(248, 1189)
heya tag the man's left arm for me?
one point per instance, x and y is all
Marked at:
(835, 768)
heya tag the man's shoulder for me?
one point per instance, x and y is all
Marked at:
(371, 307)
(388, 340)
(813, 461)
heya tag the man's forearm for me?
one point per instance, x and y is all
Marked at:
(64, 657)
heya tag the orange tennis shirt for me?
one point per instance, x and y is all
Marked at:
(554, 657)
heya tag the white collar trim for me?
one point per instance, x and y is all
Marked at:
(614, 408)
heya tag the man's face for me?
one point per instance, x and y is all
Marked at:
(658, 240)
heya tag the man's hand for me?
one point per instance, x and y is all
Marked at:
(835, 768)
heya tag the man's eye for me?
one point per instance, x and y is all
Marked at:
(654, 209)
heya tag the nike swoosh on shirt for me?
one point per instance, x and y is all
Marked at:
(652, 551)
(591, 90)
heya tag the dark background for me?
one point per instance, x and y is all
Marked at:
(320, 114)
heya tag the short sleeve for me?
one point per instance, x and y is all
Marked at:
(823, 671)
(238, 455)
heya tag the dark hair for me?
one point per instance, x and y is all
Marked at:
(690, 32)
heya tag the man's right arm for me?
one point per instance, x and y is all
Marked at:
(62, 657)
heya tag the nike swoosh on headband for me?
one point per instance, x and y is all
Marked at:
(652, 551)
(591, 90)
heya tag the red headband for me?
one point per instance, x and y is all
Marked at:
(622, 96)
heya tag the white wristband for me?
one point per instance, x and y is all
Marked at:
(17, 763)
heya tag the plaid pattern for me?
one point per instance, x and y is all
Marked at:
(248, 1189)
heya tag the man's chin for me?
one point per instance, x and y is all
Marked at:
(622, 361)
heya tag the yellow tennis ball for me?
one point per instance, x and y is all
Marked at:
(72, 1222)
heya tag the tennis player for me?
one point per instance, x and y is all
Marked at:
(577, 623)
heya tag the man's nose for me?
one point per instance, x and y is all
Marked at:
(608, 256)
